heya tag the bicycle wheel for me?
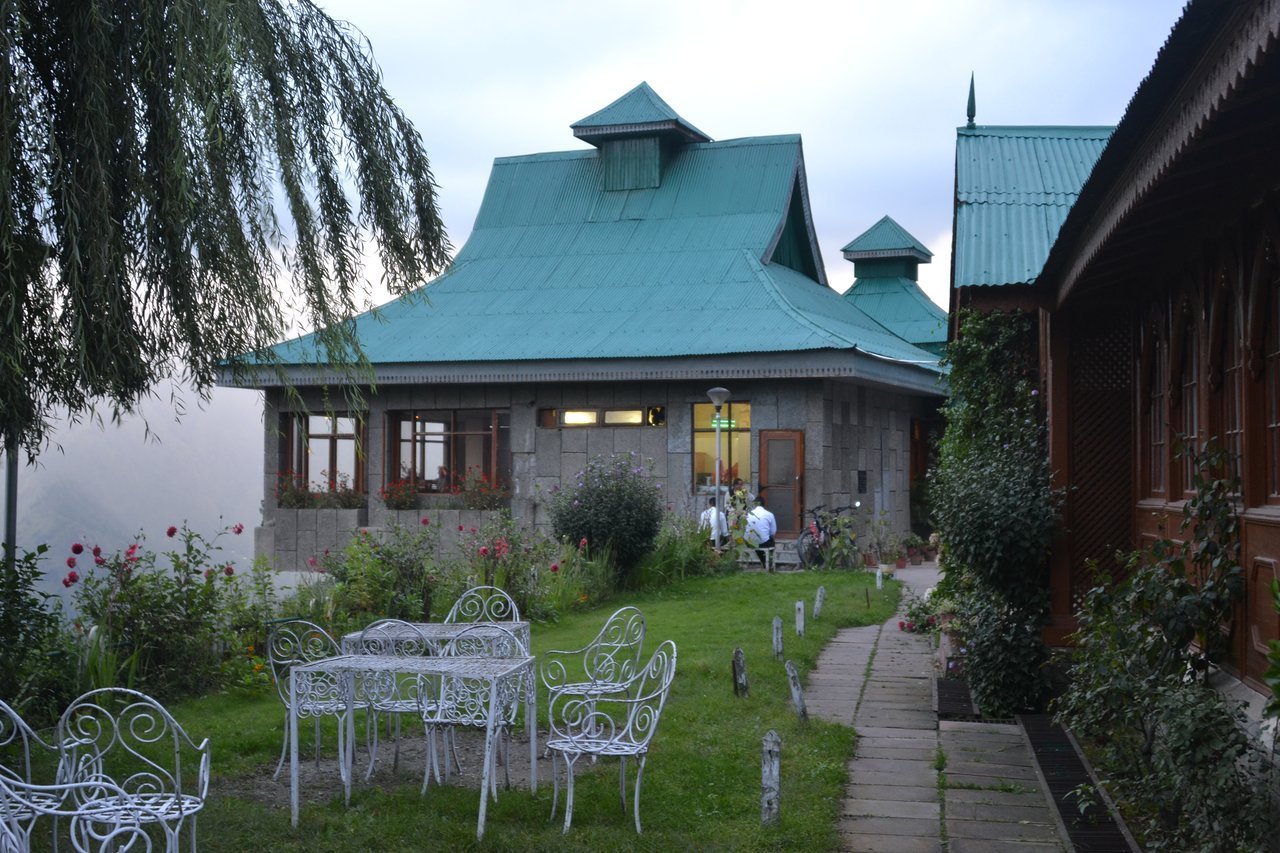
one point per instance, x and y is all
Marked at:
(808, 550)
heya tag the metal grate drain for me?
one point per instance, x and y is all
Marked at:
(1095, 829)
(954, 702)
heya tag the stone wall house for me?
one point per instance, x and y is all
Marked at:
(601, 294)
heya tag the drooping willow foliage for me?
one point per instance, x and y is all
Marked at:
(178, 177)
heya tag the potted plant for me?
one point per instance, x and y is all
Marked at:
(915, 548)
(899, 557)
(931, 547)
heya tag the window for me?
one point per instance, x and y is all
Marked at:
(654, 416)
(1157, 424)
(1231, 411)
(1190, 406)
(435, 449)
(735, 444)
(326, 451)
(1272, 374)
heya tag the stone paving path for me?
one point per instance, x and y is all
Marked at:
(989, 798)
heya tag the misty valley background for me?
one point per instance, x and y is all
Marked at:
(108, 483)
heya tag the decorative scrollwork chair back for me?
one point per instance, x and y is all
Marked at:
(459, 700)
(16, 742)
(129, 742)
(484, 604)
(291, 642)
(102, 816)
(620, 723)
(611, 659)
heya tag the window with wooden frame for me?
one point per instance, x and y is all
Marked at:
(1229, 413)
(1154, 373)
(1270, 280)
(1189, 402)
(434, 449)
(735, 445)
(325, 451)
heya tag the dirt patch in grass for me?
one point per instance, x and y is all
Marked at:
(321, 784)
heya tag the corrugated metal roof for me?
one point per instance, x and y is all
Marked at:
(637, 109)
(885, 239)
(902, 307)
(1014, 188)
(557, 268)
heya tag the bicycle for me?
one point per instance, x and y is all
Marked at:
(828, 537)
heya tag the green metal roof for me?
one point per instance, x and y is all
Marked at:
(1014, 188)
(557, 268)
(886, 239)
(639, 111)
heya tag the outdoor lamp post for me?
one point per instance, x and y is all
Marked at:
(718, 396)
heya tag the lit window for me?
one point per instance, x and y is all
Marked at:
(735, 444)
(580, 417)
(623, 417)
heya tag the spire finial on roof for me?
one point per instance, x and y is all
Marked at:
(973, 109)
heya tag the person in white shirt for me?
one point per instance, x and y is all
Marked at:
(713, 521)
(761, 526)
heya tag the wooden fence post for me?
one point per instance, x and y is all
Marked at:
(818, 598)
(770, 777)
(879, 579)
(741, 686)
(797, 692)
(777, 637)
(800, 618)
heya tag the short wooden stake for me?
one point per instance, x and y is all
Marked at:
(777, 637)
(770, 777)
(800, 618)
(817, 602)
(741, 686)
(797, 692)
(879, 579)
(867, 592)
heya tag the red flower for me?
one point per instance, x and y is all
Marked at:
(99, 561)
(484, 550)
(902, 626)
(66, 583)
(425, 521)
(228, 570)
(930, 620)
(71, 562)
(171, 532)
(911, 626)
(237, 529)
(461, 528)
(583, 544)
(555, 567)
(311, 561)
(131, 550)
(208, 574)
(473, 530)
(73, 577)
(77, 548)
(97, 552)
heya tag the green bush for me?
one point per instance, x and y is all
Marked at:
(1171, 747)
(391, 575)
(1006, 655)
(36, 671)
(612, 504)
(681, 551)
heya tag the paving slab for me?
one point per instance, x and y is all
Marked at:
(898, 793)
(1001, 831)
(858, 842)
(891, 808)
(922, 827)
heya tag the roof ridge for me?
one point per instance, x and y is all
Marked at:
(758, 267)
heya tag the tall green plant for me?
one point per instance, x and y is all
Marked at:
(1170, 745)
(613, 503)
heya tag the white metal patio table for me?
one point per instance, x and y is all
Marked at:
(438, 634)
(349, 676)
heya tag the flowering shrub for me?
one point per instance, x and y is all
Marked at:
(613, 503)
(479, 492)
(176, 621)
(29, 636)
(293, 492)
(400, 494)
(391, 575)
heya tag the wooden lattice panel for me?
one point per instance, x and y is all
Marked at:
(1101, 413)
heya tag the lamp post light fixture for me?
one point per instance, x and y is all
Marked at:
(718, 396)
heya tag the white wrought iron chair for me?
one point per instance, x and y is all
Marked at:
(392, 697)
(16, 742)
(603, 665)
(107, 739)
(484, 604)
(455, 700)
(296, 641)
(618, 724)
(110, 819)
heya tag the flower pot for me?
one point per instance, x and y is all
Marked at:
(870, 560)
(901, 563)
(915, 557)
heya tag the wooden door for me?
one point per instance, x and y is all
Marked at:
(782, 477)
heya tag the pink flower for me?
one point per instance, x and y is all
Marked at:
(97, 552)
(473, 530)
(902, 626)
(237, 529)
(66, 583)
(555, 567)
(228, 570)
(171, 532)
(484, 550)
(311, 561)
(461, 528)
(583, 544)
(930, 620)
(208, 574)
(71, 562)
(911, 626)
(425, 521)
(99, 560)
(77, 548)
(73, 577)
(131, 550)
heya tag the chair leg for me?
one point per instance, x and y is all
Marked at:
(284, 747)
(568, 800)
(317, 743)
(622, 781)
(430, 765)
(555, 787)
(636, 799)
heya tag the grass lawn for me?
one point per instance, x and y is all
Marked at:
(702, 782)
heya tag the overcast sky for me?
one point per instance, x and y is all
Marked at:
(876, 90)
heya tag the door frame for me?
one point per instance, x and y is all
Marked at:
(762, 458)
